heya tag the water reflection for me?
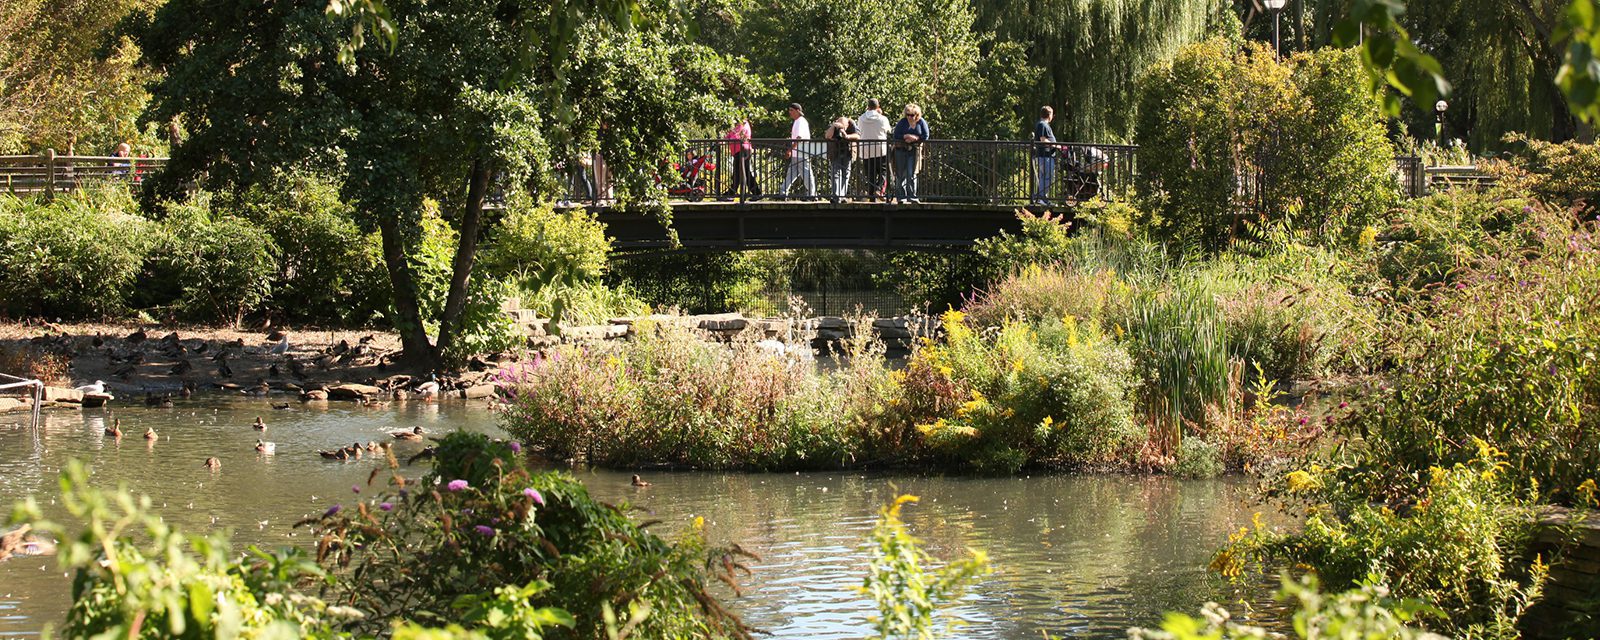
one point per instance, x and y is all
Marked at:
(1077, 556)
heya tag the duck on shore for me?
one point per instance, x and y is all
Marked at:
(414, 434)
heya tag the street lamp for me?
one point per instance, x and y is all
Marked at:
(1275, 7)
(1438, 120)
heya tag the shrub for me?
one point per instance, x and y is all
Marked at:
(219, 265)
(75, 258)
(328, 270)
(1504, 355)
(1366, 611)
(479, 521)
(1218, 117)
(1565, 174)
(1197, 459)
(1432, 239)
(482, 327)
(556, 260)
(909, 595)
(1458, 542)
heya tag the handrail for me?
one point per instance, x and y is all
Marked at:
(38, 394)
(48, 173)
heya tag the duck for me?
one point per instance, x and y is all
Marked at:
(261, 388)
(336, 454)
(213, 463)
(414, 434)
(150, 433)
(354, 449)
(162, 401)
(640, 482)
(280, 406)
(267, 448)
(98, 387)
(374, 447)
(115, 430)
(281, 348)
(259, 425)
(427, 389)
(187, 390)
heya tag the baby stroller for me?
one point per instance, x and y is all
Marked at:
(1082, 167)
(692, 177)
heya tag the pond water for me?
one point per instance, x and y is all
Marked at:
(1078, 556)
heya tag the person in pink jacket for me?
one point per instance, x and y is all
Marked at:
(744, 176)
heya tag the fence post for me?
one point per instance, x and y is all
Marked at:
(49, 175)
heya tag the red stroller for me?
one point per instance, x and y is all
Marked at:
(692, 177)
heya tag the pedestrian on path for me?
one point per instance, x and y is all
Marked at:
(873, 126)
(744, 176)
(842, 136)
(907, 137)
(799, 153)
(1044, 156)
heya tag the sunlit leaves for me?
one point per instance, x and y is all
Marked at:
(1579, 77)
(364, 15)
(1391, 59)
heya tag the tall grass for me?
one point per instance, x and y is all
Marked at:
(1182, 346)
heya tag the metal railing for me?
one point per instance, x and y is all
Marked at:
(49, 174)
(8, 381)
(997, 172)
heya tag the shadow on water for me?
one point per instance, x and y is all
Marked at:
(1079, 556)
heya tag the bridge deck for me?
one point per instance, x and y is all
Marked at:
(790, 225)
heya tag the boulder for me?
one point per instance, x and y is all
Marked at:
(92, 400)
(314, 395)
(8, 405)
(722, 322)
(477, 391)
(62, 394)
(353, 391)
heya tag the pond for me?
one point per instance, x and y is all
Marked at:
(1079, 556)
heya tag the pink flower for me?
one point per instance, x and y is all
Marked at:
(538, 498)
(485, 530)
(386, 506)
(456, 485)
(355, 488)
(516, 447)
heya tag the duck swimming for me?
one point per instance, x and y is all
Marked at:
(259, 425)
(115, 430)
(268, 448)
(149, 433)
(213, 463)
(414, 434)
(336, 454)
(640, 482)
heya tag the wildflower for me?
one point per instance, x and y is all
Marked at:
(386, 506)
(456, 485)
(516, 447)
(1299, 481)
(355, 488)
(331, 511)
(533, 494)
(1048, 421)
(484, 530)
(1343, 405)
(1587, 490)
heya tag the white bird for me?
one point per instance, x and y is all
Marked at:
(427, 389)
(281, 348)
(267, 448)
(772, 346)
(99, 386)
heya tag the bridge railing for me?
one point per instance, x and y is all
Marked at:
(996, 172)
(49, 174)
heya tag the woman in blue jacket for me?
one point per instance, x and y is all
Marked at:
(908, 136)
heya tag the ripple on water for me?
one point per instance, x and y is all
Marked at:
(1077, 556)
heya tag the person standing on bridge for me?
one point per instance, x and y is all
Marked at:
(908, 136)
(842, 136)
(873, 125)
(1044, 156)
(744, 177)
(799, 158)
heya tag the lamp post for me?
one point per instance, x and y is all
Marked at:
(1275, 7)
(1438, 120)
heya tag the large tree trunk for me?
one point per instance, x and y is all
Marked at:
(466, 252)
(415, 349)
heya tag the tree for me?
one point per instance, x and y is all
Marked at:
(67, 80)
(474, 95)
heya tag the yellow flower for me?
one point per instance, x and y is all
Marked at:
(1118, 328)
(1048, 422)
(1016, 365)
(1300, 481)
(946, 371)
(1587, 490)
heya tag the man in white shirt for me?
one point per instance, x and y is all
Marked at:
(873, 125)
(799, 153)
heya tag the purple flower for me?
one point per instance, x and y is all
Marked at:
(331, 511)
(516, 447)
(485, 530)
(404, 494)
(355, 488)
(1302, 420)
(538, 498)
(386, 506)
(1461, 285)
(1343, 405)
(456, 485)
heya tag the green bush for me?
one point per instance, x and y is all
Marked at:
(907, 593)
(483, 328)
(74, 258)
(1565, 174)
(1366, 611)
(328, 270)
(1458, 542)
(1218, 114)
(219, 265)
(1432, 240)
(556, 261)
(698, 283)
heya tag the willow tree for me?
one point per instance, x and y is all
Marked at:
(1092, 52)
(473, 95)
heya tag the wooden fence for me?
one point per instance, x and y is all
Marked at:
(49, 174)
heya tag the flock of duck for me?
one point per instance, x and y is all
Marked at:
(352, 452)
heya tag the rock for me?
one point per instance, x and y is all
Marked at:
(353, 391)
(15, 404)
(92, 400)
(61, 394)
(477, 391)
(314, 395)
(723, 323)
(594, 332)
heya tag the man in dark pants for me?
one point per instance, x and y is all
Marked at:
(873, 125)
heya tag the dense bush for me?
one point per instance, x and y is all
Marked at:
(74, 258)
(556, 260)
(328, 270)
(1218, 116)
(1560, 174)
(697, 283)
(1366, 611)
(218, 266)
(1458, 542)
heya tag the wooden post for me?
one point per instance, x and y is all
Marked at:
(49, 175)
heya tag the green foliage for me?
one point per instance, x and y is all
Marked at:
(1560, 175)
(76, 257)
(328, 271)
(135, 576)
(480, 522)
(1197, 459)
(1388, 55)
(698, 283)
(1365, 611)
(1504, 354)
(1217, 116)
(554, 258)
(1458, 540)
(1181, 344)
(219, 265)
(1579, 76)
(908, 594)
